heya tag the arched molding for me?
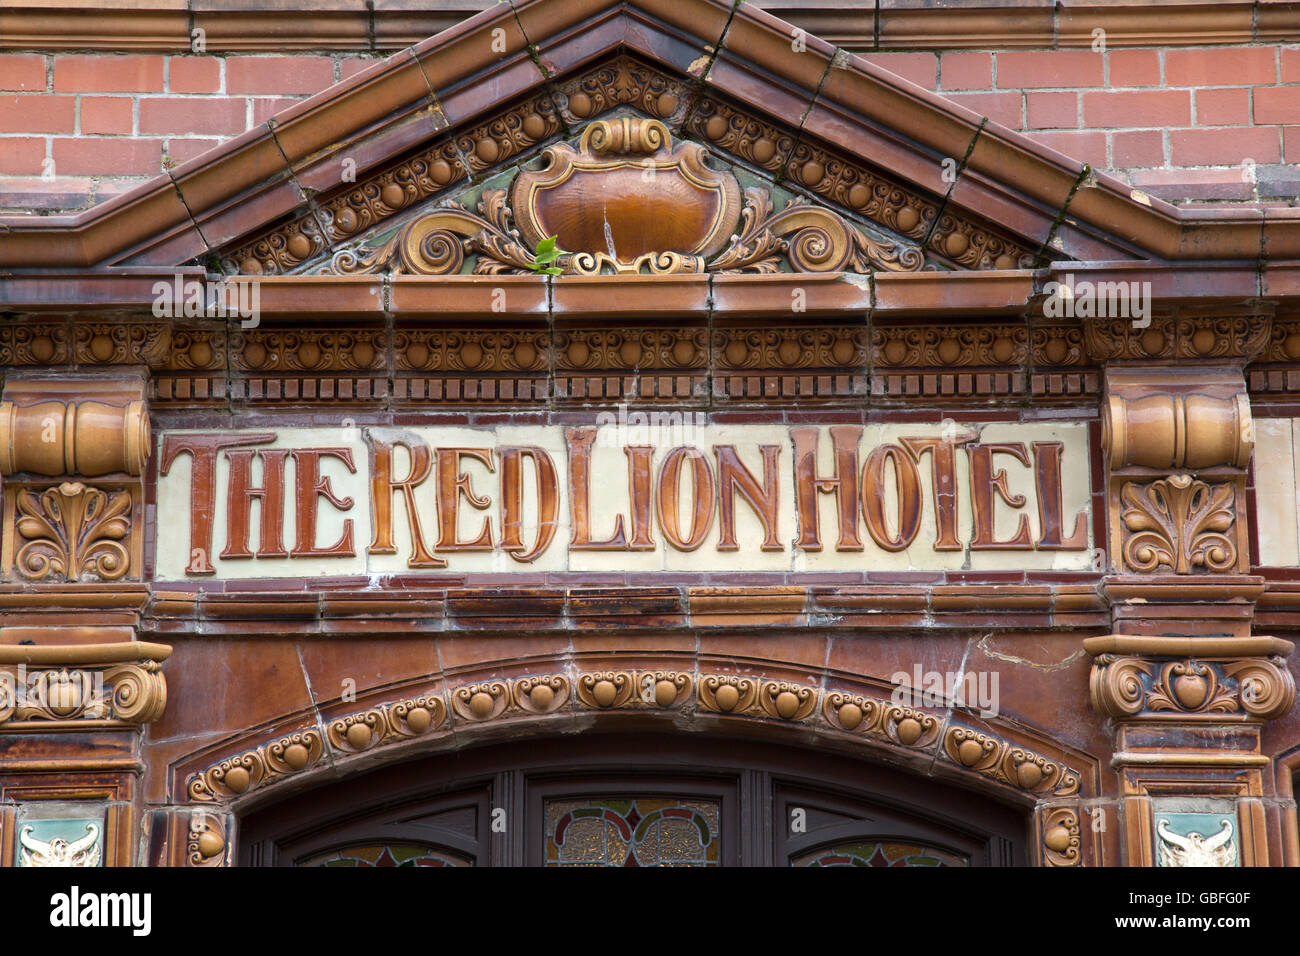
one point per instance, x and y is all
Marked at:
(995, 756)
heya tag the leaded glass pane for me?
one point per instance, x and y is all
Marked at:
(632, 832)
(385, 854)
(872, 853)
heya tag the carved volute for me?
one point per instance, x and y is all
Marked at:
(54, 435)
(1177, 448)
(1183, 658)
(629, 200)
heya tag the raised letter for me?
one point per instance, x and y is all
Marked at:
(579, 441)
(202, 450)
(1047, 470)
(844, 439)
(639, 473)
(452, 483)
(239, 503)
(703, 492)
(733, 476)
(908, 484)
(984, 482)
(512, 502)
(382, 487)
(310, 487)
(943, 467)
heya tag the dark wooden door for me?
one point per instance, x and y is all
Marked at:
(636, 800)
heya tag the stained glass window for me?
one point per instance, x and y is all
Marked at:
(632, 832)
(880, 854)
(385, 854)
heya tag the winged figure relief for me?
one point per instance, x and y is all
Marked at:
(59, 852)
(1196, 849)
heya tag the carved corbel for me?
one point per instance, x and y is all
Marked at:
(1202, 679)
(78, 686)
(1188, 715)
(1177, 447)
(53, 435)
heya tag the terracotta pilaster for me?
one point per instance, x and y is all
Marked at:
(1186, 683)
(76, 687)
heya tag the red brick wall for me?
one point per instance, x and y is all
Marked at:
(1219, 123)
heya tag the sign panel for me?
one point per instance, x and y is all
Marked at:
(642, 493)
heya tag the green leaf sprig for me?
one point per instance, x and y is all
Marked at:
(547, 253)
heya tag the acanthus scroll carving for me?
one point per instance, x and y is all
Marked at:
(628, 201)
(72, 530)
(1180, 522)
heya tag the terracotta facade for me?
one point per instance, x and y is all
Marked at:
(842, 425)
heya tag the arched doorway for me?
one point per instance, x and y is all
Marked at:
(645, 800)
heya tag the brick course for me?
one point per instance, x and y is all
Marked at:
(1186, 118)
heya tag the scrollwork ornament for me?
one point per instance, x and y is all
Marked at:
(1062, 840)
(229, 778)
(416, 716)
(1190, 687)
(664, 689)
(911, 728)
(999, 760)
(606, 690)
(1028, 770)
(72, 530)
(1178, 522)
(206, 841)
(8, 694)
(787, 701)
(1116, 685)
(247, 771)
(63, 694)
(436, 244)
(541, 695)
(387, 723)
(139, 691)
(359, 732)
(809, 238)
(853, 713)
(726, 694)
(1265, 688)
(478, 702)
(293, 753)
(974, 750)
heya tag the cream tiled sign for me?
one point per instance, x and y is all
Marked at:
(1276, 459)
(634, 495)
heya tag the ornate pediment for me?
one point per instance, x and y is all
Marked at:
(629, 200)
(635, 171)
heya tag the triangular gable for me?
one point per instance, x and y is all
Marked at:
(906, 165)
